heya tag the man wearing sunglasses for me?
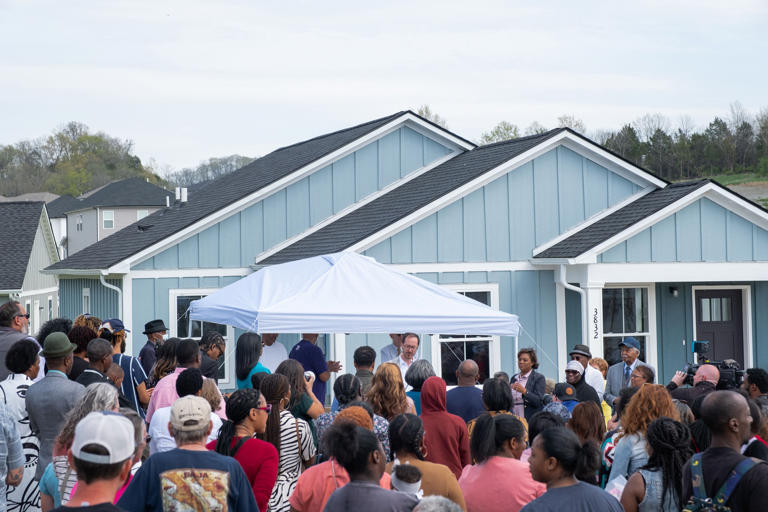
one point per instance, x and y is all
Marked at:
(14, 326)
(212, 347)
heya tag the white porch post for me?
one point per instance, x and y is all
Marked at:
(339, 351)
(594, 317)
(562, 336)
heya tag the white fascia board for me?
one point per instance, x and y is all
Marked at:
(621, 167)
(731, 272)
(49, 236)
(354, 206)
(458, 193)
(598, 216)
(552, 261)
(739, 206)
(191, 272)
(433, 132)
(295, 176)
(495, 266)
(71, 272)
(10, 292)
(41, 291)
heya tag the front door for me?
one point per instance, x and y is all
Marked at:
(719, 321)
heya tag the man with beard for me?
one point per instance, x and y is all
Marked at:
(574, 375)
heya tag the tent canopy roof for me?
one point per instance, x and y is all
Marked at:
(347, 293)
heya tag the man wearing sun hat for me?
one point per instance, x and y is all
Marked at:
(102, 455)
(50, 399)
(189, 477)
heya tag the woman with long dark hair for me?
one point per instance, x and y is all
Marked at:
(247, 354)
(247, 411)
(658, 484)
(361, 455)
(557, 457)
(303, 404)
(165, 364)
(496, 448)
(406, 442)
(290, 436)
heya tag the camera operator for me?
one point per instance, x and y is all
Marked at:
(756, 384)
(704, 382)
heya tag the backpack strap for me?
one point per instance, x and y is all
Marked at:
(697, 478)
(240, 443)
(733, 480)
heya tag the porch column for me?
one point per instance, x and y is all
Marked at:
(594, 317)
(562, 337)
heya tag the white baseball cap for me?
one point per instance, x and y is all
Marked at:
(111, 431)
(574, 365)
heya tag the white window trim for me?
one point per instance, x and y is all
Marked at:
(104, 219)
(86, 294)
(51, 312)
(494, 352)
(746, 315)
(228, 382)
(651, 345)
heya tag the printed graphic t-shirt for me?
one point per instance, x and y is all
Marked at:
(189, 480)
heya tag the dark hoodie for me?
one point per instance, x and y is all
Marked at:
(446, 438)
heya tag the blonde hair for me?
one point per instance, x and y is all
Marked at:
(87, 321)
(211, 393)
(387, 394)
(599, 363)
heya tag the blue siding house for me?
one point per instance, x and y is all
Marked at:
(582, 245)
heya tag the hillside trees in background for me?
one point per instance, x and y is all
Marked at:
(208, 170)
(70, 161)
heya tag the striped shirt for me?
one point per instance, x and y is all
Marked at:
(134, 377)
(289, 467)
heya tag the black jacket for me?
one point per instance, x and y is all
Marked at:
(689, 395)
(535, 389)
(585, 392)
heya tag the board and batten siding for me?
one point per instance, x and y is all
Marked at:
(238, 239)
(528, 294)
(104, 301)
(506, 219)
(702, 231)
(39, 259)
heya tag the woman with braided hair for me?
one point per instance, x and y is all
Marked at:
(658, 484)
(291, 437)
(247, 411)
(406, 441)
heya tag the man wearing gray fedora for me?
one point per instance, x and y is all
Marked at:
(592, 375)
(50, 399)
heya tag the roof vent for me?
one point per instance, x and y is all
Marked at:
(167, 201)
(184, 194)
(178, 193)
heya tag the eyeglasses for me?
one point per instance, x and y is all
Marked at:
(26, 315)
(267, 408)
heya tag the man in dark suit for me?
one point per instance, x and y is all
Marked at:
(50, 400)
(620, 374)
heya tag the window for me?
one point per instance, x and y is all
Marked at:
(109, 219)
(140, 214)
(86, 301)
(185, 327)
(625, 313)
(79, 224)
(455, 348)
(50, 308)
(32, 314)
(716, 309)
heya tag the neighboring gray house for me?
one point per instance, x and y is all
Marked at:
(27, 246)
(108, 209)
(581, 244)
(57, 212)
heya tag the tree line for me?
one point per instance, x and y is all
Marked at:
(737, 143)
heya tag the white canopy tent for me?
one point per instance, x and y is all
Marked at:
(347, 293)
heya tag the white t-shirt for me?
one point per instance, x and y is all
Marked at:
(161, 440)
(594, 378)
(272, 356)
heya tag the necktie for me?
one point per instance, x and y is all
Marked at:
(627, 375)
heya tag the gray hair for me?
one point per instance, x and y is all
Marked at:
(437, 504)
(100, 396)
(139, 428)
(189, 436)
(419, 371)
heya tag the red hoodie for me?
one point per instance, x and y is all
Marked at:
(446, 437)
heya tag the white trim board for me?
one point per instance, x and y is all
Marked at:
(678, 272)
(730, 202)
(351, 208)
(41, 291)
(499, 266)
(746, 314)
(190, 272)
(591, 151)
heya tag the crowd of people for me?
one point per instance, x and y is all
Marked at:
(86, 426)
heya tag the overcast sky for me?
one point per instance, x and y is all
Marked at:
(190, 80)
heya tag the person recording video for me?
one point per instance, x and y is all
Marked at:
(704, 382)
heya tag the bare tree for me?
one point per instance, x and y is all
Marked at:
(647, 125)
(427, 113)
(572, 122)
(535, 128)
(502, 131)
(739, 116)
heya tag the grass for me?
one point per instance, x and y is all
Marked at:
(738, 179)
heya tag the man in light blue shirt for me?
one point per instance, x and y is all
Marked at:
(391, 351)
(11, 454)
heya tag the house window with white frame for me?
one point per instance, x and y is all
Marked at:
(79, 223)
(86, 301)
(140, 214)
(625, 313)
(455, 348)
(185, 327)
(109, 219)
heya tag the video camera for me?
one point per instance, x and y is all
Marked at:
(731, 375)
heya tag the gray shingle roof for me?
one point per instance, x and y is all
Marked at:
(61, 205)
(618, 221)
(17, 234)
(213, 197)
(127, 192)
(406, 199)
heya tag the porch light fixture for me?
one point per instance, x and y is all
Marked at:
(673, 291)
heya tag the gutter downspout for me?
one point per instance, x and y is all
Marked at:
(584, 324)
(119, 294)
